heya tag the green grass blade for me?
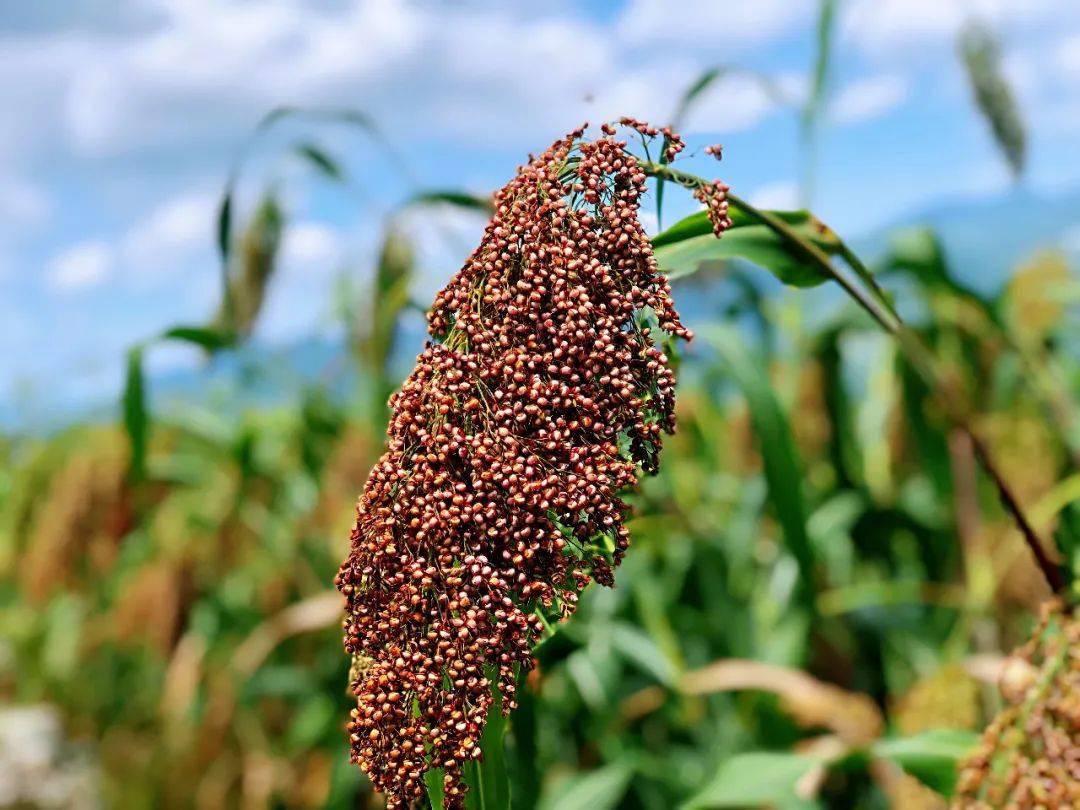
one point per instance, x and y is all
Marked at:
(783, 471)
(136, 416)
(488, 781)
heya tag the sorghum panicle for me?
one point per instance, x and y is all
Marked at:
(1029, 756)
(541, 395)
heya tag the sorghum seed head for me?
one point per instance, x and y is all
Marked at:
(1029, 756)
(539, 399)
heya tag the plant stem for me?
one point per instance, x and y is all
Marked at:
(877, 305)
(1050, 570)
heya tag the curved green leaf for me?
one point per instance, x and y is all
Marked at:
(205, 337)
(931, 757)
(686, 246)
(601, 789)
(753, 780)
(322, 161)
(460, 199)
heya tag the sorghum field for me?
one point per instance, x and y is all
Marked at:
(703, 511)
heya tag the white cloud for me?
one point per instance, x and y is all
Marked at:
(1070, 239)
(167, 238)
(311, 246)
(23, 204)
(312, 254)
(781, 195)
(1046, 79)
(737, 103)
(869, 98)
(720, 26)
(81, 267)
(1067, 56)
(905, 28)
(202, 71)
(215, 67)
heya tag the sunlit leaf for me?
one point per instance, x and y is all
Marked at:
(689, 244)
(433, 781)
(931, 757)
(601, 789)
(754, 780)
(636, 647)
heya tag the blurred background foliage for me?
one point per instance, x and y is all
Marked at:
(817, 604)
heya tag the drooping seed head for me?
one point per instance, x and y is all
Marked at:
(541, 396)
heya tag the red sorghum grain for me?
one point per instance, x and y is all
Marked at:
(1029, 756)
(716, 150)
(539, 399)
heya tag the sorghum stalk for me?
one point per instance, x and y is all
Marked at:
(540, 398)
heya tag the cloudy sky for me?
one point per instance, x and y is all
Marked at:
(122, 116)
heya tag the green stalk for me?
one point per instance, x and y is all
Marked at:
(876, 304)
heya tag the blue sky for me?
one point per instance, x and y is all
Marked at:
(122, 118)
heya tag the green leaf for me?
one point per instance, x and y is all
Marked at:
(682, 249)
(601, 789)
(843, 442)
(822, 59)
(489, 786)
(389, 299)
(783, 468)
(341, 115)
(224, 242)
(224, 225)
(931, 757)
(981, 53)
(320, 160)
(635, 646)
(817, 98)
(433, 781)
(256, 265)
(698, 224)
(919, 253)
(205, 337)
(65, 618)
(311, 723)
(460, 199)
(136, 420)
(754, 779)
